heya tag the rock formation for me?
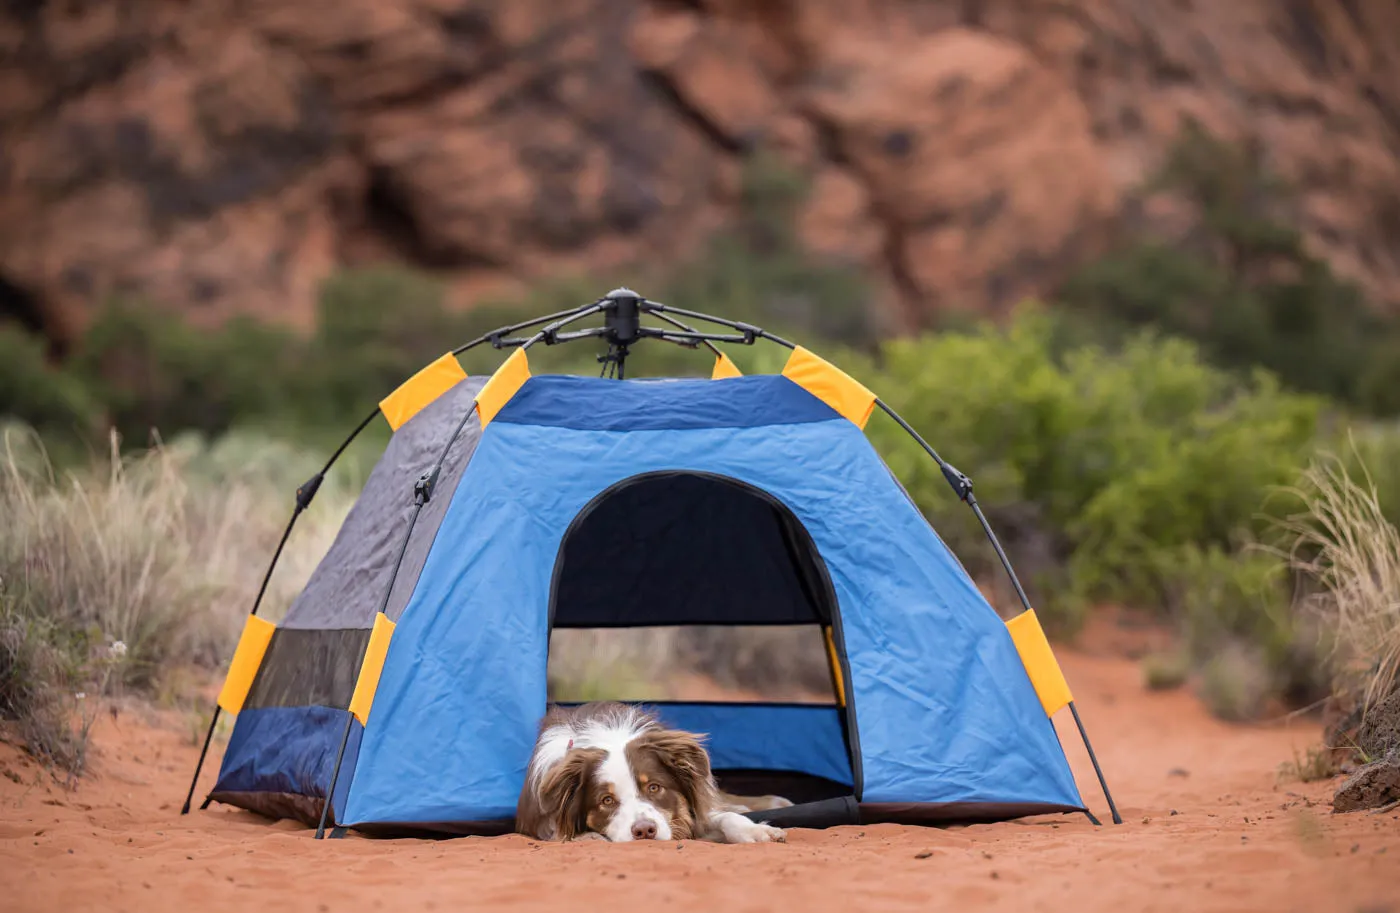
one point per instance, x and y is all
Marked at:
(223, 157)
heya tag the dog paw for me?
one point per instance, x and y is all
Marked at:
(753, 832)
(779, 802)
(588, 835)
(764, 833)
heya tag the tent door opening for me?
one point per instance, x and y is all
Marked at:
(688, 549)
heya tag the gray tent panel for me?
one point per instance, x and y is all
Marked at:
(347, 588)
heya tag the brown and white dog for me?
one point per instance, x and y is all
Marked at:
(609, 771)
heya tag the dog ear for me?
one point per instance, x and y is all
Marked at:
(683, 754)
(562, 790)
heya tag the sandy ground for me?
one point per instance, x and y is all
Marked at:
(1208, 826)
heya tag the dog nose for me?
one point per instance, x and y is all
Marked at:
(643, 830)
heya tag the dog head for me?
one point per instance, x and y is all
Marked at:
(654, 786)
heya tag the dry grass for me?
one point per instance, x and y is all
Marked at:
(1344, 545)
(161, 552)
(1317, 763)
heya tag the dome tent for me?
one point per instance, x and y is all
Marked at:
(406, 682)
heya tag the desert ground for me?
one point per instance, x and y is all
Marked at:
(1209, 824)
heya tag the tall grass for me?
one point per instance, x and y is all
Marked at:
(1343, 543)
(113, 574)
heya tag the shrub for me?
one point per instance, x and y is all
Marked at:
(1317, 763)
(38, 394)
(1097, 468)
(1234, 683)
(1165, 671)
(375, 328)
(152, 372)
(40, 671)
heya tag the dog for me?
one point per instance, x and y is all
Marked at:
(610, 771)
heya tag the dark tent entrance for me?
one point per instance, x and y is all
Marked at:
(691, 549)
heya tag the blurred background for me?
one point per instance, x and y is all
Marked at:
(1132, 266)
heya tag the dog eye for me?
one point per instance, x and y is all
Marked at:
(654, 787)
(607, 801)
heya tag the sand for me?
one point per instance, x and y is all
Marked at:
(1208, 826)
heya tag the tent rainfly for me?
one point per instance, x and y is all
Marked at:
(402, 691)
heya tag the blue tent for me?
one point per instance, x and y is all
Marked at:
(408, 679)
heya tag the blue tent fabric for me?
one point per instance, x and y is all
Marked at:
(943, 710)
(806, 739)
(287, 750)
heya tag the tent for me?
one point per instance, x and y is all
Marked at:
(407, 680)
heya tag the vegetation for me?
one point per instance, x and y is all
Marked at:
(1344, 544)
(1165, 671)
(1130, 445)
(1242, 284)
(112, 574)
(1112, 475)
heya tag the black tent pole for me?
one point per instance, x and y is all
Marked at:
(304, 495)
(423, 491)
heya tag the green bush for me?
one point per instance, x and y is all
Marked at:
(1098, 467)
(154, 373)
(1245, 598)
(32, 391)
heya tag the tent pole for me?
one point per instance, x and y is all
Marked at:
(1084, 734)
(495, 336)
(208, 737)
(305, 493)
(422, 493)
(971, 499)
(335, 774)
(302, 501)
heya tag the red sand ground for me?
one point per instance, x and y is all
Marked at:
(1208, 827)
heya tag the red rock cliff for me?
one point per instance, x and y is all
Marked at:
(224, 156)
